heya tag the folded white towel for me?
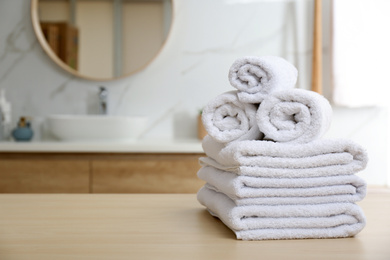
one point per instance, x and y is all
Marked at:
(256, 77)
(294, 115)
(226, 119)
(259, 222)
(247, 190)
(322, 157)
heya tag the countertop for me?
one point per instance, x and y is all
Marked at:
(156, 226)
(139, 146)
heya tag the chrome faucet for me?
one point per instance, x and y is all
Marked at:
(103, 95)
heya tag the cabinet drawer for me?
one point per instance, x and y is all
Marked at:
(147, 174)
(44, 176)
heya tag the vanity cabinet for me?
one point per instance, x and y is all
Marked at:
(43, 173)
(99, 173)
(146, 173)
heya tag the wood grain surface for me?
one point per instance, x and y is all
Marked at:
(162, 226)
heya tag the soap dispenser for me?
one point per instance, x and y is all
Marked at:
(23, 131)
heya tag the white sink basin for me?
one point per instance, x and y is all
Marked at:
(96, 127)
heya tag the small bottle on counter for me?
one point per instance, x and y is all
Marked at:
(23, 131)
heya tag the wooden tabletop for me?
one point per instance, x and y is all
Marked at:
(153, 226)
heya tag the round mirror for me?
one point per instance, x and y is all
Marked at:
(102, 39)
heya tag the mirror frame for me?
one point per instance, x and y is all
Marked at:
(42, 41)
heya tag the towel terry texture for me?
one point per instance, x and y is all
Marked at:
(226, 119)
(256, 77)
(267, 172)
(322, 157)
(294, 115)
(259, 222)
(248, 190)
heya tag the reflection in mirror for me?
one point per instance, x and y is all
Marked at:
(104, 39)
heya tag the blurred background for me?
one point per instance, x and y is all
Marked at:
(166, 59)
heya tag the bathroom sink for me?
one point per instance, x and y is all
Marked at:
(96, 127)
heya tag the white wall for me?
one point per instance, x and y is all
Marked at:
(96, 43)
(190, 70)
(149, 36)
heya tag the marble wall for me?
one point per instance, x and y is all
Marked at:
(190, 70)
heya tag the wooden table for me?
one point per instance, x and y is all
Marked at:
(169, 226)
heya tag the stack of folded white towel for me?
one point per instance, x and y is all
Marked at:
(268, 172)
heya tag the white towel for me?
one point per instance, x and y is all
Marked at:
(322, 157)
(294, 115)
(256, 77)
(259, 222)
(226, 119)
(247, 190)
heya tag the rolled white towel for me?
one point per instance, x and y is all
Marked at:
(226, 119)
(256, 77)
(248, 190)
(322, 157)
(294, 115)
(260, 222)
